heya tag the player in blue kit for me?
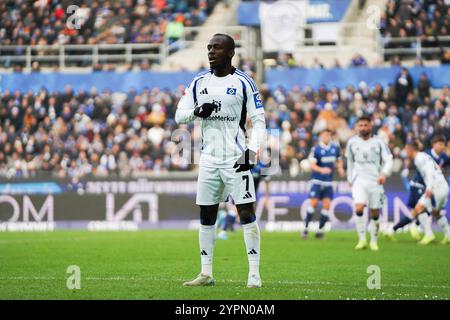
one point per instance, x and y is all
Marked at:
(416, 188)
(323, 157)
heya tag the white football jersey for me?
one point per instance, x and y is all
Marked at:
(366, 159)
(224, 132)
(429, 170)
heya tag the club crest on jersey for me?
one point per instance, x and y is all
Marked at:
(231, 91)
(257, 100)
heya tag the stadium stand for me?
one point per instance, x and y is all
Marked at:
(133, 21)
(93, 133)
(110, 23)
(417, 24)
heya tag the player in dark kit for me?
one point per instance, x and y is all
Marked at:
(323, 158)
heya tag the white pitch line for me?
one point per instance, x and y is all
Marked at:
(281, 282)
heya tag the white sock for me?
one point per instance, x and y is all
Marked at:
(252, 243)
(426, 223)
(373, 227)
(360, 227)
(206, 237)
(443, 223)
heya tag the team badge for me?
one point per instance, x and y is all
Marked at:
(231, 91)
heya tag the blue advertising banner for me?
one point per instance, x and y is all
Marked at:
(318, 11)
(439, 76)
(30, 188)
(114, 81)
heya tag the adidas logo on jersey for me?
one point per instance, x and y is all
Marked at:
(248, 195)
(203, 253)
(253, 251)
(204, 91)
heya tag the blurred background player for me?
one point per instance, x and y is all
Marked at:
(226, 218)
(323, 159)
(369, 162)
(435, 196)
(261, 173)
(417, 189)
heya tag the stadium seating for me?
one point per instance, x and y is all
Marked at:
(109, 22)
(106, 133)
(428, 21)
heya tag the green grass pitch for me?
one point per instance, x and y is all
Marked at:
(153, 265)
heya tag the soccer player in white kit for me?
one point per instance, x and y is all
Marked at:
(369, 162)
(222, 98)
(436, 192)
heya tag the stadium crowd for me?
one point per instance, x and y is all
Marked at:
(414, 18)
(102, 133)
(40, 22)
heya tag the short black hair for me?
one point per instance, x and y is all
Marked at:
(438, 138)
(230, 41)
(365, 117)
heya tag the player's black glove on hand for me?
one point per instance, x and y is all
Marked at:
(205, 110)
(246, 161)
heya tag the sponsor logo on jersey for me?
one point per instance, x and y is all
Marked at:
(204, 91)
(328, 159)
(220, 118)
(231, 91)
(257, 100)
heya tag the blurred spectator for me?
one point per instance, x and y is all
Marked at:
(403, 86)
(358, 61)
(446, 57)
(423, 87)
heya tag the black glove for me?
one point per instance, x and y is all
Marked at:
(246, 161)
(205, 110)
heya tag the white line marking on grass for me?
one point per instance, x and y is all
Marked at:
(280, 282)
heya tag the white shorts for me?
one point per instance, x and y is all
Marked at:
(215, 184)
(440, 195)
(370, 195)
